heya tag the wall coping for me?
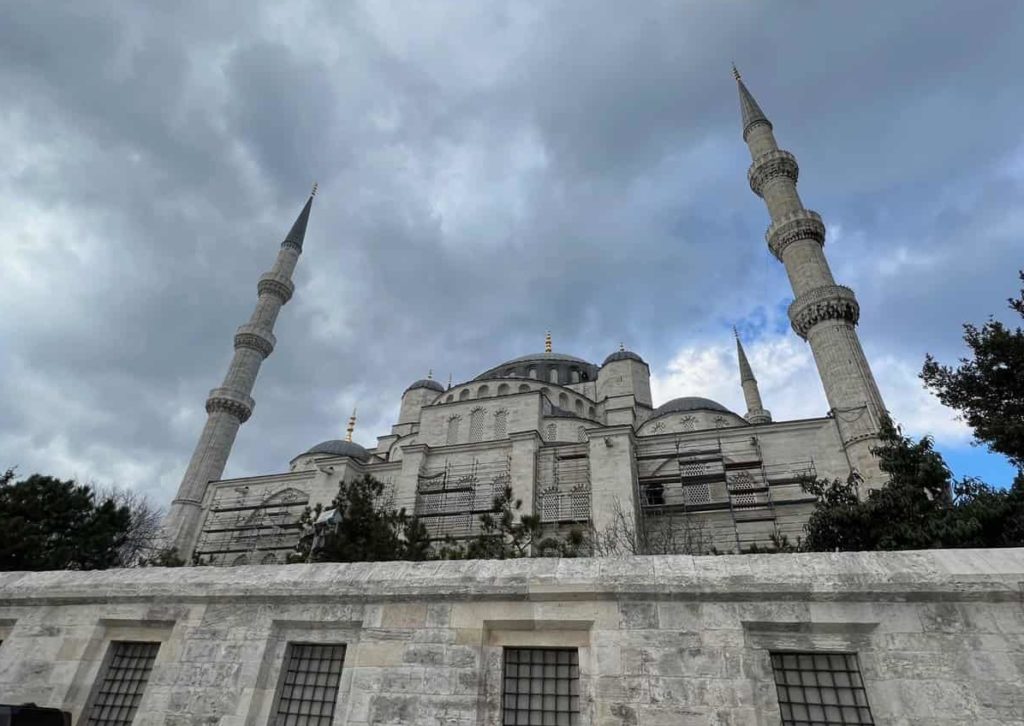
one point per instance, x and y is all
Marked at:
(951, 575)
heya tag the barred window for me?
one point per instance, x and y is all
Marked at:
(819, 689)
(501, 423)
(542, 687)
(476, 424)
(308, 687)
(118, 692)
(453, 430)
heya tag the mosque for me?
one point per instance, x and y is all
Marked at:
(581, 443)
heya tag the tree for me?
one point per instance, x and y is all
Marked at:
(142, 544)
(988, 388)
(361, 527)
(920, 507)
(50, 524)
(506, 533)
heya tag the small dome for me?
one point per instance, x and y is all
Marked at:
(689, 403)
(623, 355)
(426, 383)
(337, 447)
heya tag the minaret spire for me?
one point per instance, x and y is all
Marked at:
(823, 313)
(547, 342)
(229, 406)
(351, 426)
(756, 412)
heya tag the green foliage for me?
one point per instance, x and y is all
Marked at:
(49, 524)
(920, 507)
(988, 387)
(506, 533)
(363, 528)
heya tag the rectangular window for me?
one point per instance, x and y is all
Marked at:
(119, 690)
(308, 688)
(542, 687)
(819, 689)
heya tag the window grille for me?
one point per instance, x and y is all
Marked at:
(694, 469)
(476, 424)
(453, 431)
(550, 432)
(694, 494)
(500, 424)
(581, 435)
(119, 692)
(308, 688)
(688, 423)
(542, 686)
(819, 689)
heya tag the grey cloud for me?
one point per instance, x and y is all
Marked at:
(487, 172)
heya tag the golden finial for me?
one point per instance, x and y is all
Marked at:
(622, 347)
(313, 193)
(351, 425)
(547, 342)
(735, 72)
(430, 374)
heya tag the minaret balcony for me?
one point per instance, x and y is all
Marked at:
(793, 227)
(830, 302)
(230, 401)
(255, 338)
(278, 285)
(770, 166)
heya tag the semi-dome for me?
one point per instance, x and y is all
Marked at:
(426, 383)
(689, 403)
(338, 447)
(623, 355)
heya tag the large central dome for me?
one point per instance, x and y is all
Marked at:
(570, 369)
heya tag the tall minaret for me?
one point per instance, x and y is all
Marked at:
(756, 412)
(823, 313)
(230, 406)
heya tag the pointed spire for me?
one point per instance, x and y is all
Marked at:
(297, 234)
(430, 374)
(750, 111)
(449, 379)
(746, 372)
(351, 425)
(547, 342)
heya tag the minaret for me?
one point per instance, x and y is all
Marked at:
(823, 313)
(351, 426)
(230, 406)
(756, 412)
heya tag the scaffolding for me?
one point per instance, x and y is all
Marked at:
(723, 484)
(450, 500)
(562, 491)
(244, 526)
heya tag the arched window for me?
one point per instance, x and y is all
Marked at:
(464, 394)
(269, 559)
(483, 392)
(510, 373)
(476, 424)
(523, 388)
(503, 389)
(581, 434)
(563, 401)
(453, 430)
(579, 407)
(591, 412)
(553, 374)
(551, 432)
(500, 423)
(449, 399)
(532, 373)
(240, 560)
(575, 375)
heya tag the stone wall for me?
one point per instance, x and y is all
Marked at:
(661, 640)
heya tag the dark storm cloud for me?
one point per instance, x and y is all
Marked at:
(488, 171)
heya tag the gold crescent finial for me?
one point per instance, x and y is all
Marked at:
(351, 425)
(735, 72)
(547, 342)
(313, 193)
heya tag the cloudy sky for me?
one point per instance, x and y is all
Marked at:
(488, 171)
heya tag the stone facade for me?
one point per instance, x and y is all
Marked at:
(938, 636)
